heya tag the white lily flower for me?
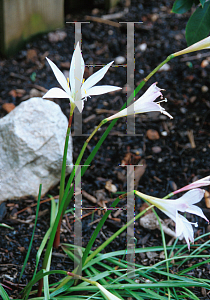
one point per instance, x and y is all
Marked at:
(74, 88)
(201, 45)
(144, 104)
(182, 204)
(201, 182)
(109, 295)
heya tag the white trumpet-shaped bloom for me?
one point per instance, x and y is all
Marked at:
(144, 104)
(73, 87)
(182, 204)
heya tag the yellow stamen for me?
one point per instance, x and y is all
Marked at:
(82, 83)
(68, 82)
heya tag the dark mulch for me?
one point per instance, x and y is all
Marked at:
(176, 162)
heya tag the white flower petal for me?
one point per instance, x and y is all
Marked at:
(146, 107)
(196, 211)
(99, 90)
(109, 295)
(167, 114)
(96, 77)
(56, 93)
(152, 93)
(77, 69)
(179, 225)
(80, 105)
(59, 76)
(191, 197)
(187, 230)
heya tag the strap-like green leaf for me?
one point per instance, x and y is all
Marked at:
(3, 293)
(32, 237)
(181, 6)
(198, 26)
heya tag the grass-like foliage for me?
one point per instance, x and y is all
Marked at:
(111, 271)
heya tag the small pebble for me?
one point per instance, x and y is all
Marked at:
(142, 47)
(160, 160)
(204, 63)
(35, 93)
(154, 17)
(110, 187)
(57, 36)
(172, 185)
(165, 68)
(204, 89)
(189, 64)
(151, 255)
(119, 60)
(152, 134)
(22, 249)
(156, 149)
(183, 110)
(178, 36)
(8, 107)
(164, 133)
(192, 99)
(95, 11)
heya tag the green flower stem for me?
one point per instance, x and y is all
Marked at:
(158, 67)
(68, 195)
(169, 196)
(63, 175)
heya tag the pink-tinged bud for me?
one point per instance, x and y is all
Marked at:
(196, 184)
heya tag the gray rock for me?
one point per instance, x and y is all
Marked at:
(32, 138)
